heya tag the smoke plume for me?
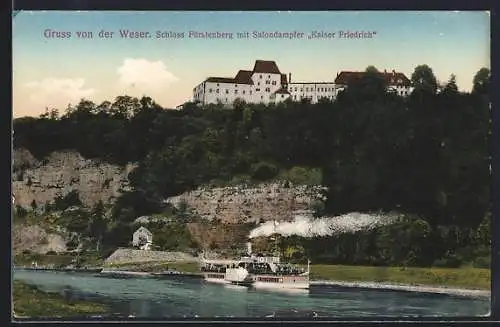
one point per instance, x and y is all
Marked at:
(325, 226)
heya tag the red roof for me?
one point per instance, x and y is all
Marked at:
(266, 66)
(392, 78)
(220, 80)
(245, 76)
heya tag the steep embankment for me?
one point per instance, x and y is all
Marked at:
(62, 172)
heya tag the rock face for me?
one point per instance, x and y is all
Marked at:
(36, 239)
(62, 172)
(121, 256)
(243, 204)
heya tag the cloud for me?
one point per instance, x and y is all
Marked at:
(145, 75)
(58, 92)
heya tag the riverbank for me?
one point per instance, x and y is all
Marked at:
(459, 278)
(406, 288)
(29, 301)
(464, 278)
(466, 281)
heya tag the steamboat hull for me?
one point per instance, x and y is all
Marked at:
(217, 278)
(280, 282)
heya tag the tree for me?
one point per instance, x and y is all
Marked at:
(481, 82)
(33, 205)
(98, 224)
(371, 69)
(451, 87)
(424, 80)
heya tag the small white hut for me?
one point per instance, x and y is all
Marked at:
(143, 239)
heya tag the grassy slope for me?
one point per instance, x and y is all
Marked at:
(466, 277)
(31, 302)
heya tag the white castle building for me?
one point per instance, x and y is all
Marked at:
(266, 84)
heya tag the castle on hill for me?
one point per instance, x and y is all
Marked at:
(265, 83)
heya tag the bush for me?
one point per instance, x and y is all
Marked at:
(450, 261)
(482, 262)
(303, 176)
(264, 171)
(21, 212)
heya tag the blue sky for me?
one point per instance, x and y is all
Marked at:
(51, 72)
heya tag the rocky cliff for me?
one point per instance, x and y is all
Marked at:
(62, 172)
(243, 204)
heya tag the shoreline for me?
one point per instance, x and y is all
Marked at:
(420, 288)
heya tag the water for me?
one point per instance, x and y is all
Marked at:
(176, 297)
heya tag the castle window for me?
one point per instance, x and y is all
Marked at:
(301, 89)
(268, 89)
(258, 83)
(267, 82)
(307, 89)
(235, 91)
(217, 91)
(282, 95)
(227, 91)
(218, 84)
(257, 90)
(250, 92)
(261, 97)
(274, 83)
(243, 91)
(295, 89)
(235, 85)
(260, 76)
(268, 76)
(209, 90)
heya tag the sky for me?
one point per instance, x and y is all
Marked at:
(53, 72)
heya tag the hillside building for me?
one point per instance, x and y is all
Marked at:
(266, 84)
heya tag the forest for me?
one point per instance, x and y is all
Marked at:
(425, 155)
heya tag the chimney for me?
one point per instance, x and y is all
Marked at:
(249, 248)
(289, 78)
(393, 72)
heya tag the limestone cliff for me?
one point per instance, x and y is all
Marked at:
(63, 172)
(243, 204)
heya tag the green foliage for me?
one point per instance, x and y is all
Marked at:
(302, 176)
(450, 261)
(72, 199)
(426, 155)
(482, 262)
(264, 171)
(21, 212)
(318, 208)
(173, 236)
(29, 301)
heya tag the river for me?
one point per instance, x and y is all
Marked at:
(176, 297)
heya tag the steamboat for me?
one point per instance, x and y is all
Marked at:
(256, 270)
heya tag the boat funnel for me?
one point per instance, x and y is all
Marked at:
(249, 248)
